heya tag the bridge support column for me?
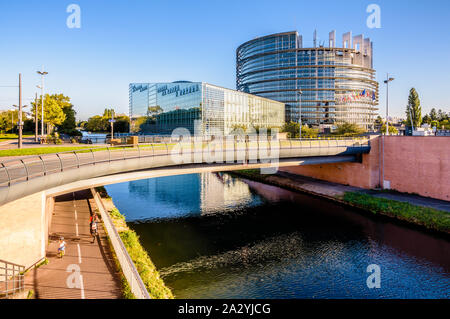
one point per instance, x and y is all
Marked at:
(24, 229)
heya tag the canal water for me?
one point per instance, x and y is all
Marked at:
(215, 236)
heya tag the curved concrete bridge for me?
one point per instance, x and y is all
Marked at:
(22, 177)
(29, 185)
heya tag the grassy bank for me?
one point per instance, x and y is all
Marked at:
(41, 150)
(144, 265)
(429, 217)
(7, 137)
(423, 216)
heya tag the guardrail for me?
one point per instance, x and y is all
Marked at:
(24, 169)
(130, 272)
(11, 278)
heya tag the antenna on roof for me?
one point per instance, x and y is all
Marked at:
(315, 38)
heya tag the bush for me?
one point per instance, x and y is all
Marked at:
(348, 129)
(426, 216)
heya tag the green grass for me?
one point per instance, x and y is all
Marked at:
(425, 216)
(147, 270)
(6, 137)
(43, 150)
(144, 265)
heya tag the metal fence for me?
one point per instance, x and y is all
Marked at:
(129, 270)
(24, 169)
(11, 278)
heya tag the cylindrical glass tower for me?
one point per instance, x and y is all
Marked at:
(333, 85)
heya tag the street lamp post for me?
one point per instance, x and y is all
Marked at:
(42, 74)
(112, 120)
(20, 112)
(19, 119)
(19, 124)
(300, 112)
(35, 119)
(388, 79)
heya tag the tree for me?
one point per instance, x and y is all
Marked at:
(5, 122)
(445, 124)
(122, 124)
(293, 130)
(53, 109)
(378, 120)
(53, 113)
(392, 130)
(8, 120)
(69, 124)
(433, 114)
(97, 123)
(413, 109)
(348, 129)
(434, 124)
(441, 115)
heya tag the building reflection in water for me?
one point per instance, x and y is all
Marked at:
(177, 196)
(221, 192)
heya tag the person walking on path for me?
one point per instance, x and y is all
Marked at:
(62, 247)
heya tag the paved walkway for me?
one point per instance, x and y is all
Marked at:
(330, 189)
(99, 279)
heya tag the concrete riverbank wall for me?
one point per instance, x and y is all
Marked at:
(412, 164)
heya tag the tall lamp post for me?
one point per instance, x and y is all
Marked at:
(112, 120)
(35, 119)
(20, 123)
(388, 79)
(19, 120)
(300, 112)
(42, 73)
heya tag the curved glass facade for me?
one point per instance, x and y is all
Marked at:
(332, 84)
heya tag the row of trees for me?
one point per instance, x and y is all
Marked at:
(438, 119)
(58, 114)
(293, 130)
(8, 122)
(101, 123)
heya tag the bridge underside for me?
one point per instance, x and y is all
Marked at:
(135, 169)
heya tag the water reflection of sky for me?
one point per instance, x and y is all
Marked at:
(214, 236)
(178, 196)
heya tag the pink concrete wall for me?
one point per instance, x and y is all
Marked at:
(413, 164)
(417, 164)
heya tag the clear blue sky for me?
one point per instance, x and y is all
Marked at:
(123, 41)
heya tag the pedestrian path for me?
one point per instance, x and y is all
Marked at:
(87, 270)
(331, 189)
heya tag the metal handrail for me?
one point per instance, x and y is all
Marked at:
(24, 172)
(11, 278)
(129, 270)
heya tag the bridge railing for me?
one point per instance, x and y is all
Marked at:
(129, 270)
(24, 169)
(11, 278)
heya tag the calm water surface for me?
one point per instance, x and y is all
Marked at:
(214, 236)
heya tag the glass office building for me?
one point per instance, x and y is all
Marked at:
(217, 109)
(332, 84)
